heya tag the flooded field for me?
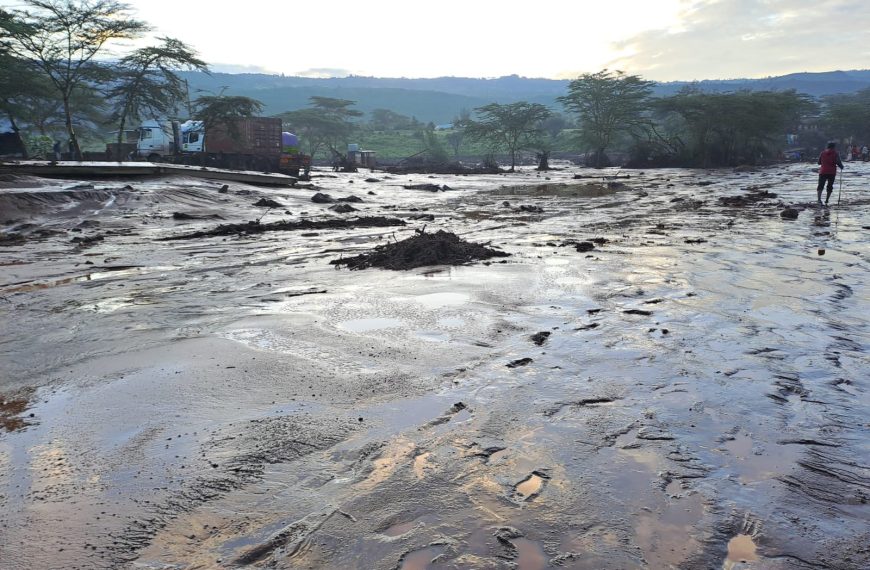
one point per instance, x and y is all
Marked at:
(665, 372)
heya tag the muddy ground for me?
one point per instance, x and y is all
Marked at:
(701, 399)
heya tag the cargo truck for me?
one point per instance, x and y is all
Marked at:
(257, 144)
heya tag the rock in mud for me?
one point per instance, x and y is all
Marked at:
(354, 199)
(753, 197)
(426, 187)
(343, 208)
(186, 216)
(268, 203)
(540, 338)
(585, 246)
(321, 198)
(789, 214)
(519, 362)
(439, 248)
(531, 209)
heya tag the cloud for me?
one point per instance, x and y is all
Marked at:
(751, 38)
(237, 68)
(323, 72)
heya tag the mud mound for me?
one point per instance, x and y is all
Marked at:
(752, 197)
(586, 190)
(440, 248)
(284, 226)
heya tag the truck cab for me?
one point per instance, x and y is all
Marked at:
(192, 136)
(156, 140)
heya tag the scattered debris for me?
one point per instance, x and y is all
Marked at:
(185, 216)
(268, 203)
(789, 214)
(284, 226)
(422, 249)
(637, 312)
(541, 337)
(532, 209)
(753, 197)
(426, 187)
(519, 362)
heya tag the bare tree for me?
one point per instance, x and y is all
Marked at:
(62, 38)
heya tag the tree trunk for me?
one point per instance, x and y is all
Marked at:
(121, 134)
(544, 160)
(513, 160)
(17, 132)
(76, 150)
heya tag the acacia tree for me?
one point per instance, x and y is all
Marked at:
(224, 110)
(148, 81)
(511, 127)
(326, 123)
(608, 103)
(62, 38)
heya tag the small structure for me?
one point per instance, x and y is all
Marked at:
(361, 158)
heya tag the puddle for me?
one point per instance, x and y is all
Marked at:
(438, 300)
(530, 486)
(399, 529)
(421, 559)
(431, 336)
(741, 550)
(530, 555)
(10, 410)
(105, 273)
(365, 325)
(740, 447)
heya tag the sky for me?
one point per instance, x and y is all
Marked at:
(662, 40)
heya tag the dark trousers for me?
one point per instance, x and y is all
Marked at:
(823, 179)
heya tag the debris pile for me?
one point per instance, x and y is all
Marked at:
(754, 196)
(283, 226)
(439, 248)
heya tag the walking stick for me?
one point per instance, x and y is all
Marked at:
(840, 193)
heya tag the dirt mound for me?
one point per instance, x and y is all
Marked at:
(587, 189)
(752, 197)
(284, 226)
(440, 248)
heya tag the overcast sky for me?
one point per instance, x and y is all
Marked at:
(659, 39)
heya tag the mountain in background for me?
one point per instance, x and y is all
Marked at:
(440, 99)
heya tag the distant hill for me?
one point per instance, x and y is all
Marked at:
(440, 99)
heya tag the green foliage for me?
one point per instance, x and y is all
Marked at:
(326, 124)
(510, 127)
(607, 104)
(224, 110)
(717, 129)
(62, 37)
(848, 116)
(147, 82)
(386, 120)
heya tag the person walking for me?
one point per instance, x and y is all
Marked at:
(829, 160)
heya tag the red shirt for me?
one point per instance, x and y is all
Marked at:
(829, 160)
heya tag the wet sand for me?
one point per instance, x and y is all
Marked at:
(700, 402)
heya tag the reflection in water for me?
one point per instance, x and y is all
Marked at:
(741, 549)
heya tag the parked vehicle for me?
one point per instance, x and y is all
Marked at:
(256, 143)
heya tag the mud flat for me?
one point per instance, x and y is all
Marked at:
(662, 373)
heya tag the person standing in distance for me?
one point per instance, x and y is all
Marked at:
(829, 160)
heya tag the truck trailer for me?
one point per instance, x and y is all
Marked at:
(257, 144)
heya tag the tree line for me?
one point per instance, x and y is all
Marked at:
(54, 69)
